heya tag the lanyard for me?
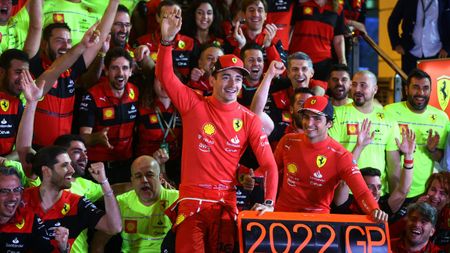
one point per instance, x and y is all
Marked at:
(425, 9)
(167, 125)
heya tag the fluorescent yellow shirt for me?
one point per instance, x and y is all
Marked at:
(421, 123)
(346, 125)
(14, 34)
(144, 227)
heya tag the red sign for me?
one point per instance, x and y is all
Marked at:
(439, 71)
(305, 232)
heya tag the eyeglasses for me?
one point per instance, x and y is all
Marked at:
(6, 191)
(121, 24)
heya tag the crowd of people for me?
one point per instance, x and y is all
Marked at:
(173, 117)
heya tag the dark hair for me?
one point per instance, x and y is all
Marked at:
(12, 54)
(10, 171)
(418, 74)
(189, 26)
(300, 90)
(123, 8)
(147, 94)
(47, 33)
(45, 157)
(115, 53)
(165, 3)
(425, 210)
(339, 67)
(66, 139)
(443, 177)
(370, 172)
(250, 46)
(247, 3)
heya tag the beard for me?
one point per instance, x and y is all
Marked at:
(416, 106)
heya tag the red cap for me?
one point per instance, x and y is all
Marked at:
(229, 61)
(320, 105)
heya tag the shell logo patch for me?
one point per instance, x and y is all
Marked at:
(292, 168)
(443, 91)
(209, 129)
(131, 226)
(4, 104)
(237, 124)
(403, 127)
(181, 44)
(308, 11)
(153, 118)
(20, 224)
(234, 59)
(108, 113)
(66, 209)
(154, 56)
(58, 18)
(321, 161)
(180, 218)
(131, 93)
(352, 129)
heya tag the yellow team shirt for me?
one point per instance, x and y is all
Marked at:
(346, 125)
(14, 34)
(421, 123)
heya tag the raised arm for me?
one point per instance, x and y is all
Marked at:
(260, 99)
(32, 93)
(365, 137)
(407, 147)
(103, 29)
(33, 39)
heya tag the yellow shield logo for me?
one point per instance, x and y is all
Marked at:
(443, 91)
(20, 224)
(321, 160)
(66, 209)
(4, 104)
(181, 44)
(237, 124)
(131, 94)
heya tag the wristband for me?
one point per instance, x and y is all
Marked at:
(167, 43)
(104, 181)
(408, 168)
(408, 162)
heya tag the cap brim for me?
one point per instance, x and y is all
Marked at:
(312, 110)
(244, 70)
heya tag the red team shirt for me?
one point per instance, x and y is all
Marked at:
(215, 137)
(311, 173)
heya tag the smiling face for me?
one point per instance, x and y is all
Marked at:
(255, 16)
(437, 195)
(204, 16)
(363, 89)
(226, 85)
(9, 199)
(120, 30)
(299, 73)
(339, 84)
(5, 11)
(418, 91)
(62, 172)
(208, 57)
(315, 126)
(254, 63)
(418, 229)
(11, 77)
(58, 44)
(78, 155)
(118, 73)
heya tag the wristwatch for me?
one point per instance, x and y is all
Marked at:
(268, 202)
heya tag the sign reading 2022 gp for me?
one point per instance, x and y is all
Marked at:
(315, 233)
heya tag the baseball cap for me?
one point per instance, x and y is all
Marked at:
(229, 61)
(319, 105)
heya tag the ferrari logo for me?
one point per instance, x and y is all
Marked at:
(180, 218)
(313, 101)
(131, 94)
(234, 59)
(181, 44)
(66, 209)
(321, 160)
(433, 117)
(237, 124)
(380, 115)
(4, 104)
(20, 224)
(443, 91)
